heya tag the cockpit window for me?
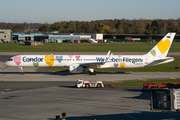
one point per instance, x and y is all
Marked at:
(10, 59)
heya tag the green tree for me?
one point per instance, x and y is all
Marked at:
(106, 29)
(45, 28)
(119, 27)
(154, 27)
(18, 28)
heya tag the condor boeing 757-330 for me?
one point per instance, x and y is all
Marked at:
(81, 63)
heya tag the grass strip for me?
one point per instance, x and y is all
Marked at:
(83, 47)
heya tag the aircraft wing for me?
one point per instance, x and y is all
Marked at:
(95, 64)
(166, 58)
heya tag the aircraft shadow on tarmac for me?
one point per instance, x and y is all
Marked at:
(63, 73)
(129, 116)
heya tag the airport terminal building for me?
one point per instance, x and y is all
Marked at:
(54, 37)
(5, 35)
(67, 37)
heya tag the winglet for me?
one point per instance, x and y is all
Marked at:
(109, 52)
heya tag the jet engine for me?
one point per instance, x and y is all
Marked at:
(76, 68)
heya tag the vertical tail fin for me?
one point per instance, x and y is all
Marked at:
(161, 49)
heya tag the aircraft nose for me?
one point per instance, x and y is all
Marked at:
(5, 63)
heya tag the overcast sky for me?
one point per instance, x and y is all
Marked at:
(50, 11)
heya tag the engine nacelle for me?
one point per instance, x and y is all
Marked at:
(76, 68)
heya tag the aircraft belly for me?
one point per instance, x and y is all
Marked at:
(62, 64)
(121, 65)
(134, 65)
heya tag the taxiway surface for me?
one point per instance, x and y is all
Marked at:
(118, 103)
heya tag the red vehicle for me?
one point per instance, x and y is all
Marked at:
(147, 86)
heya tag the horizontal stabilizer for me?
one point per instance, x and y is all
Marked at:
(161, 61)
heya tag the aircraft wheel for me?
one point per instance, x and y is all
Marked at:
(22, 73)
(90, 73)
(94, 73)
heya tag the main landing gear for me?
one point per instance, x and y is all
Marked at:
(91, 71)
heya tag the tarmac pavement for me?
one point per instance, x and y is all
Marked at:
(118, 103)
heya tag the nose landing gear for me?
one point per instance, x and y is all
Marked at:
(22, 72)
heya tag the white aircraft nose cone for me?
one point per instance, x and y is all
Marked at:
(5, 63)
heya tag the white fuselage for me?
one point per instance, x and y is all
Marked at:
(116, 61)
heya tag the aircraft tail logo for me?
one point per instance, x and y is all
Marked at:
(161, 49)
